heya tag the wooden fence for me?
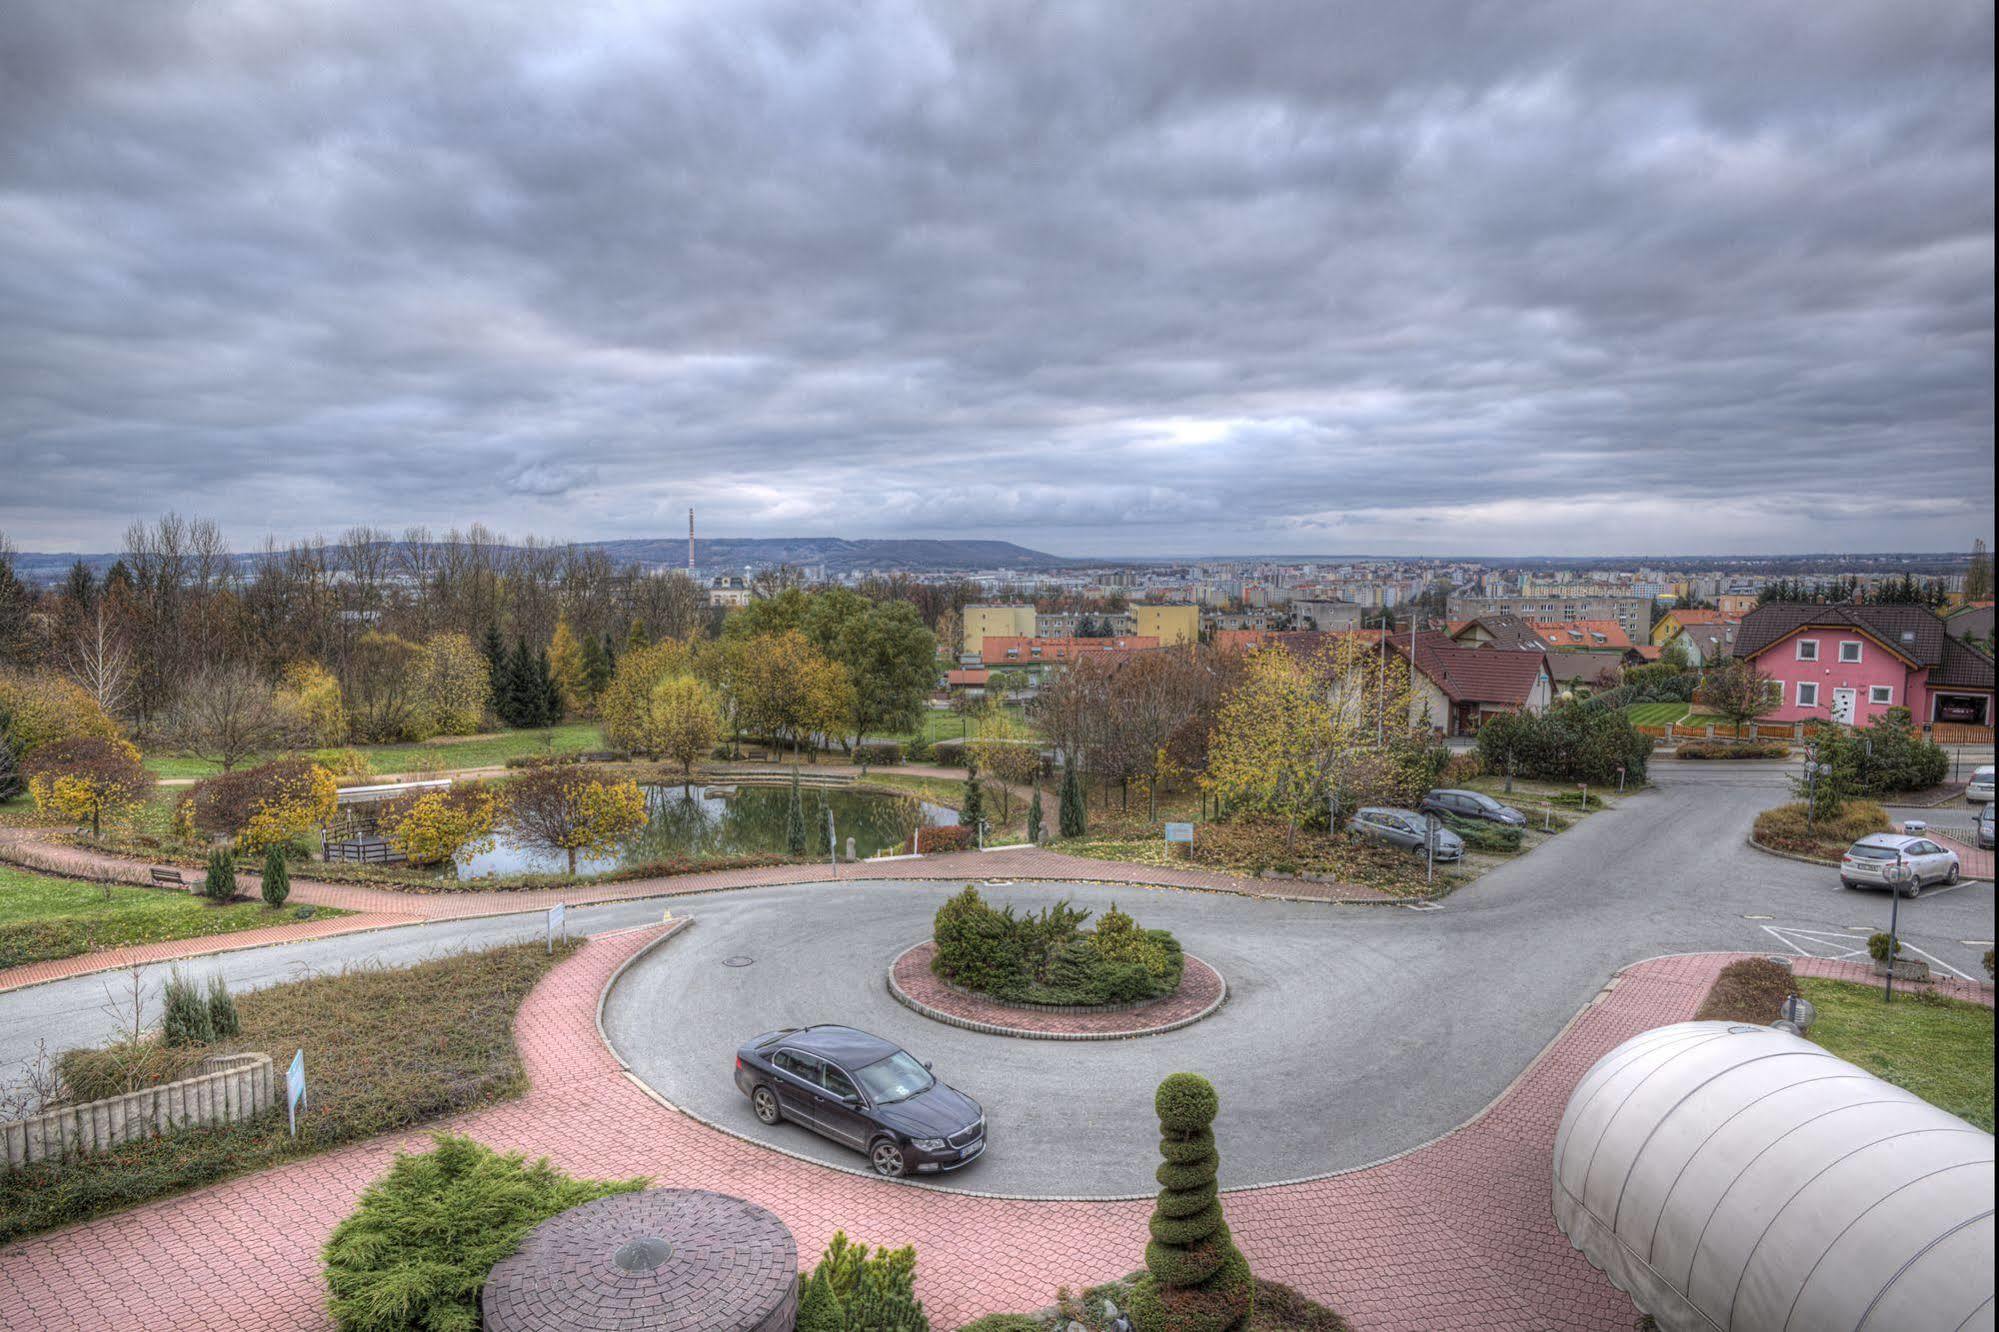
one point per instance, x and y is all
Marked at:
(236, 1087)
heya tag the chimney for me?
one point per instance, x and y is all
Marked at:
(690, 541)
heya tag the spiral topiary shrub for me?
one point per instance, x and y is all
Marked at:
(1196, 1279)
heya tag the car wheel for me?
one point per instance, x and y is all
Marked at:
(1951, 877)
(1911, 888)
(764, 1102)
(886, 1157)
(1848, 883)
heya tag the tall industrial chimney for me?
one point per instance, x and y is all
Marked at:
(690, 541)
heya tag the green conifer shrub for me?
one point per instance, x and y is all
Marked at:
(277, 877)
(1196, 1279)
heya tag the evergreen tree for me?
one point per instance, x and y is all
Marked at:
(10, 771)
(185, 1018)
(547, 697)
(638, 637)
(972, 809)
(519, 703)
(277, 877)
(610, 661)
(596, 667)
(1195, 1276)
(495, 653)
(1073, 822)
(219, 884)
(222, 1017)
(818, 1307)
(1034, 817)
(794, 818)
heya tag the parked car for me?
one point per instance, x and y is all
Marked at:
(1871, 863)
(862, 1092)
(1472, 805)
(1405, 828)
(1980, 789)
(1985, 826)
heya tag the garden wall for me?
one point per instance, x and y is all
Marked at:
(238, 1087)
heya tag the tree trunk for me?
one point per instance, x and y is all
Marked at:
(572, 862)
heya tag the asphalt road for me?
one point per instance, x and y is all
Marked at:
(1351, 1033)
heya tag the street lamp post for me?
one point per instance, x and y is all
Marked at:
(1901, 872)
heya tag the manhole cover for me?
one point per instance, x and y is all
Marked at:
(642, 1253)
(738, 961)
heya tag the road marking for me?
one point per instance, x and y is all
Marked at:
(1759, 918)
(1805, 943)
(1976, 943)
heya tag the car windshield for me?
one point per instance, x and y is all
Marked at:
(1485, 801)
(1872, 853)
(896, 1078)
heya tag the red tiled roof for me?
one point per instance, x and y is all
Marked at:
(1582, 635)
(967, 677)
(1477, 675)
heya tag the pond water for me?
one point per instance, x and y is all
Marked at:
(700, 821)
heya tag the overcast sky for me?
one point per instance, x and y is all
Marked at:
(1099, 278)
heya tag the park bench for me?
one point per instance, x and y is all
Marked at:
(167, 878)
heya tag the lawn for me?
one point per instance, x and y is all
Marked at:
(943, 724)
(385, 1050)
(43, 918)
(1940, 1049)
(446, 753)
(1657, 714)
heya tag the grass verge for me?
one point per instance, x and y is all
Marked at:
(1939, 1048)
(384, 1050)
(1279, 1308)
(446, 753)
(44, 919)
(1785, 828)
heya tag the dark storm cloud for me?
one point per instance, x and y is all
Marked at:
(1555, 277)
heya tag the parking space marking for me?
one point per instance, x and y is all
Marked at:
(1806, 943)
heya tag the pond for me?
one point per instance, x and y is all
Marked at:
(703, 821)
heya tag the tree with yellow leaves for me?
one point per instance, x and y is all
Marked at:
(457, 685)
(1010, 753)
(686, 722)
(309, 698)
(626, 705)
(1267, 748)
(436, 827)
(787, 690)
(559, 807)
(88, 779)
(568, 669)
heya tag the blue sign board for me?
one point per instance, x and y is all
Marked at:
(295, 1089)
(1179, 832)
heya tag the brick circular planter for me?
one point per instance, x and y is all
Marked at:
(1202, 990)
(685, 1259)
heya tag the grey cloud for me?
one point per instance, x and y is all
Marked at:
(1538, 277)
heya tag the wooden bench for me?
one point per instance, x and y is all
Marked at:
(167, 878)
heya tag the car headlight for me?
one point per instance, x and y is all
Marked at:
(928, 1144)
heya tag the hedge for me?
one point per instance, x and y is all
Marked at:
(1049, 958)
(1729, 749)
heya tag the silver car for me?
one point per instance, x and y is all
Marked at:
(1881, 860)
(1985, 828)
(1980, 789)
(1405, 828)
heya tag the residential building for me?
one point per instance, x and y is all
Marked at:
(1582, 635)
(1851, 663)
(1633, 614)
(982, 622)
(1326, 616)
(1702, 643)
(1735, 603)
(729, 590)
(1972, 619)
(1012, 650)
(1680, 618)
(1171, 626)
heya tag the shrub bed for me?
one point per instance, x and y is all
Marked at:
(1732, 749)
(1249, 846)
(385, 1050)
(1752, 990)
(1480, 835)
(416, 1252)
(878, 753)
(1785, 829)
(1049, 958)
(1571, 742)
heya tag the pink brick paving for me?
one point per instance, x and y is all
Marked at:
(1200, 987)
(1456, 1234)
(381, 904)
(1976, 864)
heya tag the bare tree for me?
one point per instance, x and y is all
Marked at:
(99, 658)
(228, 714)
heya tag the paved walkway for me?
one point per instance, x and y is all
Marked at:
(1453, 1235)
(379, 908)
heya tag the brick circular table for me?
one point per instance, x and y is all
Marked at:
(910, 979)
(680, 1260)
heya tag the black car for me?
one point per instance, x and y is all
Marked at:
(865, 1093)
(1472, 805)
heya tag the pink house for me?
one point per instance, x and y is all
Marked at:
(1851, 663)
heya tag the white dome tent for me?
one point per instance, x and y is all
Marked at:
(1732, 1178)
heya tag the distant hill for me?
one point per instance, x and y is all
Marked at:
(712, 555)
